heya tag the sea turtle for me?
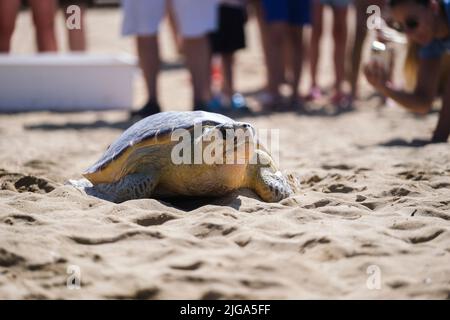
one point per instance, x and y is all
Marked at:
(144, 162)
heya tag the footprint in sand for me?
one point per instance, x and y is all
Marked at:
(312, 180)
(155, 220)
(397, 284)
(112, 239)
(311, 243)
(337, 188)
(373, 205)
(259, 284)
(412, 175)
(141, 294)
(212, 295)
(321, 203)
(18, 182)
(9, 259)
(188, 267)
(337, 167)
(243, 241)
(397, 192)
(213, 229)
(20, 219)
(408, 225)
(434, 213)
(440, 185)
(425, 238)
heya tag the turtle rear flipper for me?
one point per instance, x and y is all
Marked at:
(133, 186)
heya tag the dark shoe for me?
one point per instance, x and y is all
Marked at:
(342, 102)
(439, 138)
(238, 104)
(149, 109)
(297, 104)
(199, 106)
(214, 105)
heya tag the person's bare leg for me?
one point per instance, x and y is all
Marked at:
(340, 42)
(8, 15)
(262, 24)
(442, 131)
(287, 59)
(174, 28)
(276, 57)
(227, 67)
(77, 37)
(198, 57)
(149, 60)
(44, 12)
(296, 45)
(315, 41)
(360, 35)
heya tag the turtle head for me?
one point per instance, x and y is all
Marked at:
(228, 143)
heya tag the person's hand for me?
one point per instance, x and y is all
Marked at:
(376, 75)
(382, 36)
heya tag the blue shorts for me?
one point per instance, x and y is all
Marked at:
(294, 12)
(336, 3)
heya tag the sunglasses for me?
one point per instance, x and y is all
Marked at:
(410, 24)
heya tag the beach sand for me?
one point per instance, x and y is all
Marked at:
(372, 220)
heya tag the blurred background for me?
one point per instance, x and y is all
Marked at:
(102, 28)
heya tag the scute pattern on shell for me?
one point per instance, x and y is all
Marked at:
(156, 125)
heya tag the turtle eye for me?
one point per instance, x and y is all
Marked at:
(250, 128)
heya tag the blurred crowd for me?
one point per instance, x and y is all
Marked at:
(208, 33)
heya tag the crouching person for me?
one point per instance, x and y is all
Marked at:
(427, 24)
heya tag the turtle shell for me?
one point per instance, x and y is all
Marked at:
(155, 129)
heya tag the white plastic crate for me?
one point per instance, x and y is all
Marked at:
(66, 82)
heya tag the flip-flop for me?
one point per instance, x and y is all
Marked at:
(314, 94)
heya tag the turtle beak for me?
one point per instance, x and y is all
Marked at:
(248, 127)
(245, 128)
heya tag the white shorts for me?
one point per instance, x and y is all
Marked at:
(195, 17)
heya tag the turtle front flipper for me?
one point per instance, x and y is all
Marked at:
(268, 182)
(132, 186)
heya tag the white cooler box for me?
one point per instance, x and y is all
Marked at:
(66, 82)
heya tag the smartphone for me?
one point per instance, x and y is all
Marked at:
(381, 54)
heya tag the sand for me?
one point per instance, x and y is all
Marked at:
(372, 220)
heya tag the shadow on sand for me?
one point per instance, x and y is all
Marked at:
(328, 111)
(99, 124)
(188, 204)
(399, 142)
(415, 143)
